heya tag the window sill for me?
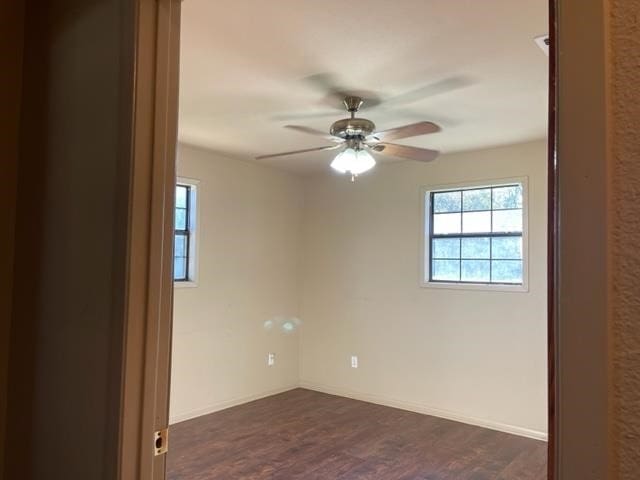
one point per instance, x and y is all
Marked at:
(188, 284)
(477, 286)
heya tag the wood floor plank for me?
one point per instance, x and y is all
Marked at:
(302, 434)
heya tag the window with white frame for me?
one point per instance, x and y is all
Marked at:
(184, 246)
(476, 235)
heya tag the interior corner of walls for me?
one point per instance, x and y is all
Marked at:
(351, 310)
(237, 201)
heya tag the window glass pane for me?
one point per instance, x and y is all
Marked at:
(507, 197)
(506, 271)
(445, 248)
(507, 247)
(475, 248)
(507, 221)
(182, 223)
(446, 270)
(476, 222)
(475, 271)
(180, 246)
(465, 222)
(181, 196)
(476, 199)
(446, 202)
(444, 223)
(181, 219)
(179, 268)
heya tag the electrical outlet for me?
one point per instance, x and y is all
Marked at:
(271, 359)
(354, 361)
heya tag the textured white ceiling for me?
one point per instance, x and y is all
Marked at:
(245, 68)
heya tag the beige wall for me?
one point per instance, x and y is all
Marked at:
(477, 356)
(438, 351)
(249, 240)
(624, 55)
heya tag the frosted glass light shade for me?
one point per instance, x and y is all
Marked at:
(364, 162)
(343, 161)
(353, 161)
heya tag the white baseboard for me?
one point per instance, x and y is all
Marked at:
(233, 402)
(365, 397)
(426, 410)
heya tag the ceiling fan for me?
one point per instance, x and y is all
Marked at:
(355, 137)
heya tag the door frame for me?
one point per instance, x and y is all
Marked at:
(146, 358)
(552, 232)
(148, 328)
(11, 49)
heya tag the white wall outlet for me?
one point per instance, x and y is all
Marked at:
(354, 361)
(271, 359)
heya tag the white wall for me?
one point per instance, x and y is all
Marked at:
(473, 355)
(250, 218)
(345, 259)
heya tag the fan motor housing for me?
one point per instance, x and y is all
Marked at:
(352, 127)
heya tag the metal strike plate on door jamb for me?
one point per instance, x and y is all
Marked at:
(161, 441)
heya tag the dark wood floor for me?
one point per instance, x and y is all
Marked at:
(303, 434)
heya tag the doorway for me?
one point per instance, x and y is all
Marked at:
(287, 332)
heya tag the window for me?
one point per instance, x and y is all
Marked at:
(184, 266)
(476, 235)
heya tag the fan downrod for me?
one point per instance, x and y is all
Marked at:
(352, 104)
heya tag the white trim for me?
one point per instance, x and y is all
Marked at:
(481, 287)
(424, 225)
(223, 405)
(426, 410)
(194, 229)
(366, 397)
(184, 284)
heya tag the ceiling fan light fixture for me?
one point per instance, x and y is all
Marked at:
(357, 135)
(364, 162)
(353, 161)
(343, 161)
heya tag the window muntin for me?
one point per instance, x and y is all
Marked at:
(476, 235)
(182, 234)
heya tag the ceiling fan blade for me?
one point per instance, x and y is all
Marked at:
(294, 152)
(441, 86)
(317, 133)
(406, 131)
(405, 151)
